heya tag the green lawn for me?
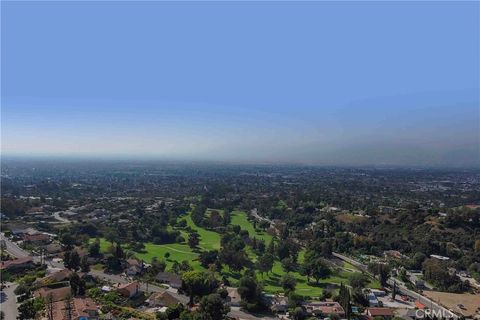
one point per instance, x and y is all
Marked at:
(178, 252)
(240, 218)
(209, 240)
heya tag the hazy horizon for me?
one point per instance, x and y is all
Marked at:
(318, 83)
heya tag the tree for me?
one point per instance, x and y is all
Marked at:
(382, 270)
(344, 299)
(235, 259)
(223, 293)
(67, 240)
(360, 298)
(198, 283)
(288, 283)
(314, 266)
(271, 248)
(403, 275)
(84, 265)
(298, 314)
(417, 260)
(326, 249)
(265, 263)
(77, 284)
(173, 312)
(27, 310)
(166, 255)
(71, 260)
(193, 239)
(94, 248)
(185, 266)
(212, 307)
(319, 270)
(119, 254)
(358, 280)
(157, 266)
(208, 257)
(394, 290)
(111, 236)
(250, 292)
(289, 264)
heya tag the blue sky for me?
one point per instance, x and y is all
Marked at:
(392, 83)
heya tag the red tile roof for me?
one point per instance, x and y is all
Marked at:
(58, 294)
(132, 288)
(36, 237)
(17, 262)
(84, 307)
(380, 312)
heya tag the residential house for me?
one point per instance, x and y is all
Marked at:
(85, 309)
(279, 304)
(36, 239)
(172, 279)
(134, 267)
(165, 299)
(129, 290)
(17, 265)
(58, 294)
(394, 254)
(18, 231)
(81, 309)
(385, 313)
(53, 249)
(323, 309)
(57, 276)
(233, 298)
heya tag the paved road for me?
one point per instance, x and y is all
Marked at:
(57, 216)
(357, 264)
(235, 312)
(8, 301)
(430, 304)
(254, 213)
(13, 248)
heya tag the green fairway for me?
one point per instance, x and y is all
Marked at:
(178, 252)
(239, 218)
(104, 244)
(209, 240)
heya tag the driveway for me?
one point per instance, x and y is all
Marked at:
(8, 301)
